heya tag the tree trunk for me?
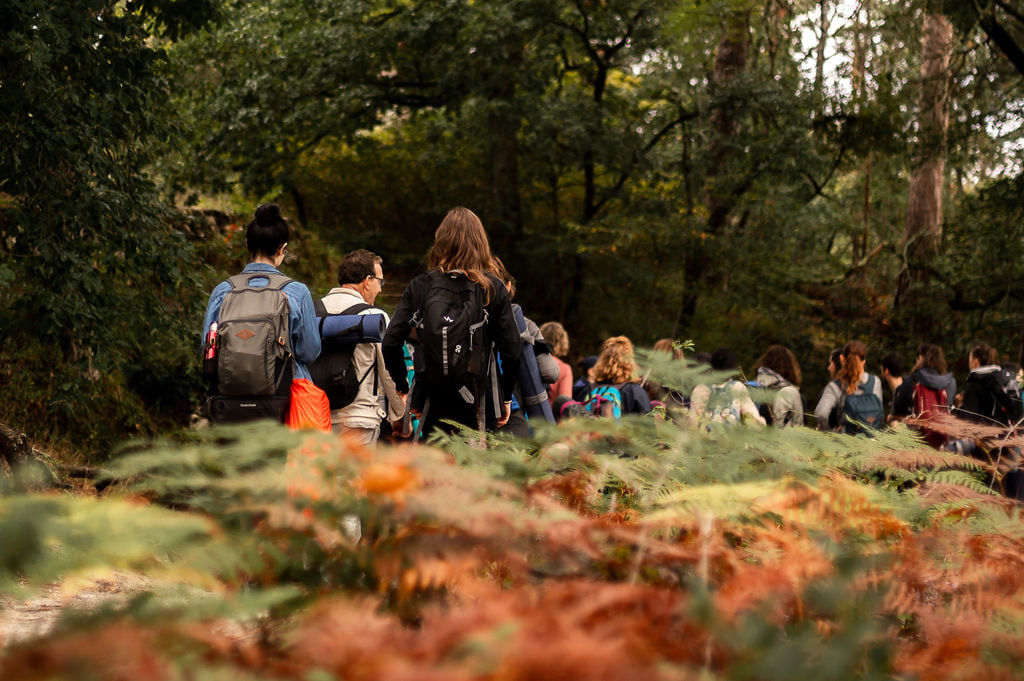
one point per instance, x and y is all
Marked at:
(923, 232)
(730, 62)
(504, 123)
(819, 61)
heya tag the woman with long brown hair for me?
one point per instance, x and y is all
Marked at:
(456, 314)
(857, 393)
(778, 370)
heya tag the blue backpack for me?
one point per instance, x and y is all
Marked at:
(604, 400)
(862, 407)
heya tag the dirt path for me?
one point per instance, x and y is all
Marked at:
(23, 620)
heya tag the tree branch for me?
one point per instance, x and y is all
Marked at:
(1003, 40)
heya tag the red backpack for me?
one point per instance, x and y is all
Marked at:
(929, 402)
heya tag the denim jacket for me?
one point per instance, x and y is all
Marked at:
(302, 317)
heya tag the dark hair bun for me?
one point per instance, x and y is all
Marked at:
(268, 214)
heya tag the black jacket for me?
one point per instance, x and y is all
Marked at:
(979, 403)
(501, 330)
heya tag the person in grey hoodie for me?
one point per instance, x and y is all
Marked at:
(930, 371)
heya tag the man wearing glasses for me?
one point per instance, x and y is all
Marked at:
(360, 280)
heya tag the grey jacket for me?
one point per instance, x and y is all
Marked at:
(545, 361)
(788, 407)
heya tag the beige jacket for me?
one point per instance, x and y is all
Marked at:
(366, 410)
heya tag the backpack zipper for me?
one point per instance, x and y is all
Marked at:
(444, 348)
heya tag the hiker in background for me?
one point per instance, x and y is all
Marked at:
(558, 339)
(835, 363)
(857, 393)
(727, 402)
(992, 397)
(582, 385)
(991, 394)
(243, 392)
(934, 390)
(360, 280)
(457, 313)
(779, 371)
(615, 381)
(930, 372)
(537, 368)
(902, 388)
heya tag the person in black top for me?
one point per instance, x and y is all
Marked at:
(460, 249)
(902, 388)
(991, 394)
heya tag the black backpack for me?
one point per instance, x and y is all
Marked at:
(334, 370)
(449, 329)
(1006, 397)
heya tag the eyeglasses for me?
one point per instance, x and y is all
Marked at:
(380, 280)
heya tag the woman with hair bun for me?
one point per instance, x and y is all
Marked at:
(856, 393)
(266, 239)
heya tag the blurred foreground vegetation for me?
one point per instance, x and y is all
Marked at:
(601, 549)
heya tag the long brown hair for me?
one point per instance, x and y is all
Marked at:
(931, 357)
(615, 364)
(460, 243)
(782, 361)
(855, 355)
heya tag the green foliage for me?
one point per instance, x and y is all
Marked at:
(99, 284)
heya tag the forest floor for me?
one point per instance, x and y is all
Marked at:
(23, 620)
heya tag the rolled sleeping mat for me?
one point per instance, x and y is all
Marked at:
(534, 392)
(353, 328)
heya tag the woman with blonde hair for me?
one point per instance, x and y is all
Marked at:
(615, 368)
(456, 314)
(857, 393)
(556, 336)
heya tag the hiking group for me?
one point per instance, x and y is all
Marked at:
(459, 353)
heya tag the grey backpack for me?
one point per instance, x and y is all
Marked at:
(254, 347)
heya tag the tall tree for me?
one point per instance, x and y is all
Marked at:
(923, 233)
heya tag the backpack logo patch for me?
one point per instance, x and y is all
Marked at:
(245, 334)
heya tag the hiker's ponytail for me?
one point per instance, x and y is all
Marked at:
(854, 356)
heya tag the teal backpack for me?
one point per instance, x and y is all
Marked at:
(604, 400)
(862, 408)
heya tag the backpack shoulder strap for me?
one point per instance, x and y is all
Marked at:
(320, 309)
(357, 308)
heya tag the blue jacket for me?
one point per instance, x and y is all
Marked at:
(302, 316)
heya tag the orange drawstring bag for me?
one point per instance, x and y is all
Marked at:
(310, 407)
